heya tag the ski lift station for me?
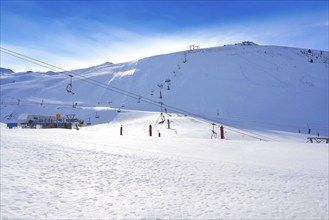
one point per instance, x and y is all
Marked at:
(41, 121)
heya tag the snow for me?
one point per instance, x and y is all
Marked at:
(3, 125)
(263, 169)
(96, 173)
(244, 86)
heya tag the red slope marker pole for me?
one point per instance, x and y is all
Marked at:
(150, 130)
(221, 132)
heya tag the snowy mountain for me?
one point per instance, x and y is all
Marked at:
(243, 85)
(5, 71)
(115, 169)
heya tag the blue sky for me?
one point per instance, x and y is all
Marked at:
(77, 34)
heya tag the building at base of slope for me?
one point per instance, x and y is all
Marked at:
(42, 121)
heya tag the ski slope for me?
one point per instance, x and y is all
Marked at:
(244, 85)
(263, 169)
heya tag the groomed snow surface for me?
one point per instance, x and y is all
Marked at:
(96, 173)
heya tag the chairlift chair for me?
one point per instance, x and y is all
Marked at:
(168, 81)
(213, 134)
(69, 87)
(163, 119)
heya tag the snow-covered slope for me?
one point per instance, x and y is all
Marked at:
(5, 70)
(94, 172)
(243, 85)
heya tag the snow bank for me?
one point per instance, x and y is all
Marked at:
(3, 125)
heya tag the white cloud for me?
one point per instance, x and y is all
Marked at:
(103, 43)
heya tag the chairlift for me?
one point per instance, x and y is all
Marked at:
(163, 119)
(185, 58)
(139, 99)
(168, 81)
(69, 87)
(97, 115)
(161, 87)
(108, 102)
(74, 105)
(213, 133)
(70, 118)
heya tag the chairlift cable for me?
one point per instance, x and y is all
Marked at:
(102, 85)
(94, 82)
(65, 72)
